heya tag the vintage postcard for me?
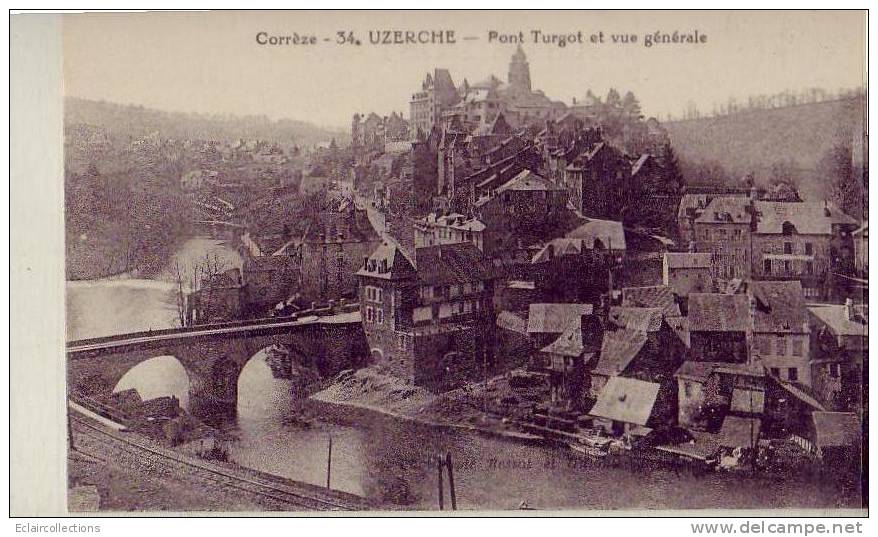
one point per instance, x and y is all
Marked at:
(466, 262)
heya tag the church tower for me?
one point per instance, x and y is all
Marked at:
(519, 73)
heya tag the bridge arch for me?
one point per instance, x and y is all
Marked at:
(157, 377)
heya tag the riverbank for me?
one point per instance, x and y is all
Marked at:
(100, 255)
(461, 409)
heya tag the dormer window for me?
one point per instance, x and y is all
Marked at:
(788, 229)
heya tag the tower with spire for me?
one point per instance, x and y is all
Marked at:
(519, 73)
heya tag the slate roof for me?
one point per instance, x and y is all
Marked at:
(695, 202)
(562, 247)
(656, 296)
(780, 306)
(642, 319)
(626, 400)
(512, 322)
(808, 217)
(555, 318)
(453, 263)
(801, 394)
(569, 343)
(388, 261)
(834, 429)
(740, 432)
(528, 180)
(835, 317)
(684, 260)
(716, 312)
(610, 232)
(618, 349)
(726, 210)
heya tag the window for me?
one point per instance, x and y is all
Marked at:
(780, 346)
(738, 235)
(706, 234)
(798, 348)
(687, 389)
(766, 266)
(809, 267)
(834, 370)
(775, 371)
(786, 267)
(793, 374)
(809, 248)
(787, 247)
(370, 314)
(380, 316)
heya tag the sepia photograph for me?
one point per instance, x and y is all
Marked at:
(481, 262)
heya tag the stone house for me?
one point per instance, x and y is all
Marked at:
(780, 338)
(596, 178)
(723, 231)
(687, 272)
(333, 248)
(220, 298)
(429, 318)
(800, 241)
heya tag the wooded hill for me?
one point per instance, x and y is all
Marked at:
(770, 142)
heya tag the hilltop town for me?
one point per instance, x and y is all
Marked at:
(543, 271)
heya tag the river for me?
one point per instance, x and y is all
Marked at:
(390, 460)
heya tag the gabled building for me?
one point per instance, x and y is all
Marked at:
(429, 318)
(780, 338)
(839, 347)
(723, 231)
(718, 327)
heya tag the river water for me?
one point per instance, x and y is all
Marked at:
(391, 461)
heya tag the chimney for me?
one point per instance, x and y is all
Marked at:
(849, 310)
(691, 247)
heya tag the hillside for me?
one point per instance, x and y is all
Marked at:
(754, 141)
(136, 122)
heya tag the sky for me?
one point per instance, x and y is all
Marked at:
(210, 62)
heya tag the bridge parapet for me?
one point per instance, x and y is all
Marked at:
(264, 321)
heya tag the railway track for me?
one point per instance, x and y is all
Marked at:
(156, 461)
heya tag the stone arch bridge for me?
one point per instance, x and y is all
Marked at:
(214, 355)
